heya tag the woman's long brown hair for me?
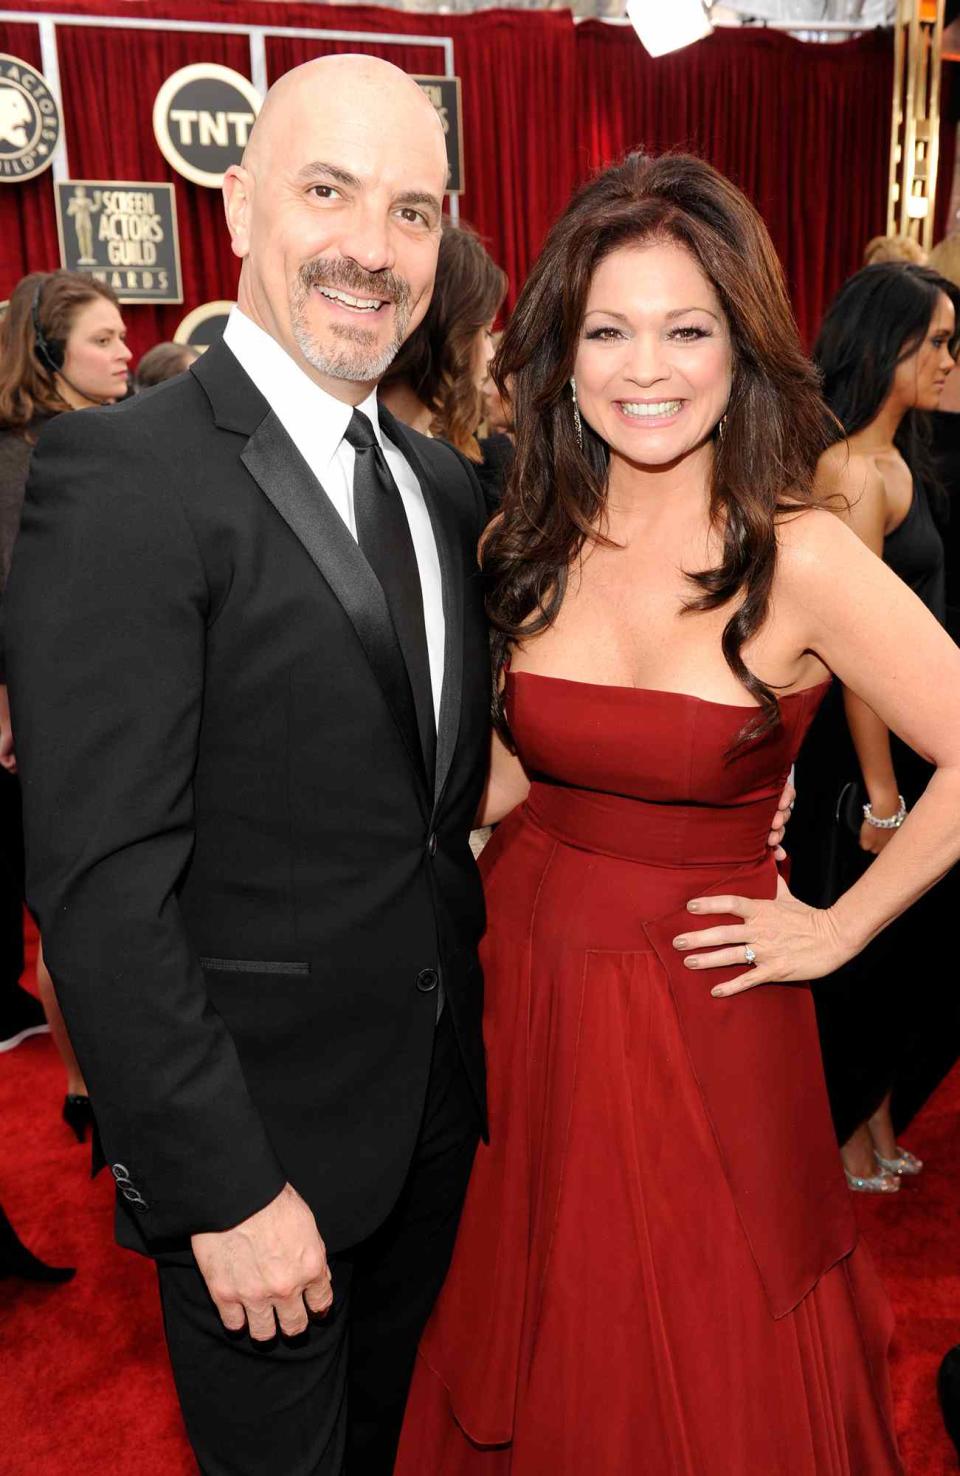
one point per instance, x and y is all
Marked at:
(28, 386)
(438, 360)
(776, 424)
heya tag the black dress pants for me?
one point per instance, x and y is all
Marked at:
(330, 1403)
(11, 883)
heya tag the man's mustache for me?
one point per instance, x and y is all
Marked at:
(347, 276)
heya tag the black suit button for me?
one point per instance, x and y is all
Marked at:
(432, 843)
(427, 980)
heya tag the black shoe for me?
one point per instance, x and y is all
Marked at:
(16, 1260)
(20, 1016)
(948, 1388)
(77, 1114)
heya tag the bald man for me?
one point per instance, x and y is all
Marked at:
(248, 665)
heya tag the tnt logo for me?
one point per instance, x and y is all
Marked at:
(211, 130)
(202, 118)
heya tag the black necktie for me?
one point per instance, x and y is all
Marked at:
(383, 534)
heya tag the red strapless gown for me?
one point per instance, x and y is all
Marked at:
(656, 1272)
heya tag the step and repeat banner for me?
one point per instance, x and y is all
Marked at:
(124, 231)
(135, 117)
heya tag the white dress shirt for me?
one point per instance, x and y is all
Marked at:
(316, 423)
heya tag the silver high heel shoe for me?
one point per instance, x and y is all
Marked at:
(905, 1165)
(881, 1183)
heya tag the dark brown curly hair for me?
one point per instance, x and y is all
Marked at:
(437, 360)
(776, 424)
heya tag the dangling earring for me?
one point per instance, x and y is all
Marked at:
(577, 422)
(721, 428)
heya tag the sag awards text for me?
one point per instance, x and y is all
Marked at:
(131, 227)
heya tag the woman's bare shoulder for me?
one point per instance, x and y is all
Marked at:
(846, 477)
(814, 547)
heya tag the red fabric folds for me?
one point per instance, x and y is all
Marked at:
(655, 1269)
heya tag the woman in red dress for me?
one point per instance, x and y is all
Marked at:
(657, 1271)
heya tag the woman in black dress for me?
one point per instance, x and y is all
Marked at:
(436, 381)
(62, 348)
(887, 344)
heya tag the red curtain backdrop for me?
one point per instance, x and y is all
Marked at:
(518, 74)
(101, 146)
(803, 128)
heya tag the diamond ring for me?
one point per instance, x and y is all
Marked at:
(749, 955)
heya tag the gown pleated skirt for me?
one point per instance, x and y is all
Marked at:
(631, 1293)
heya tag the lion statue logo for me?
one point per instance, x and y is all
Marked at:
(16, 118)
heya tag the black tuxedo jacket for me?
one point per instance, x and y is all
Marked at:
(247, 891)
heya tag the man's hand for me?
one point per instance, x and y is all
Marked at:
(270, 1269)
(780, 821)
(8, 759)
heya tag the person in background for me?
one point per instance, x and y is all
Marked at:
(162, 362)
(948, 1394)
(62, 347)
(435, 384)
(499, 435)
(885, 351)
(497, 408)
(893, 248)
(18, 1262)
(945, 259)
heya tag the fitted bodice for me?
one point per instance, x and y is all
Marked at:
(649, 775)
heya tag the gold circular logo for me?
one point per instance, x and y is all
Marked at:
(29, 121)
(204, 326)
(202, 117)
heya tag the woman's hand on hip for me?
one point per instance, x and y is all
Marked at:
(789, 941)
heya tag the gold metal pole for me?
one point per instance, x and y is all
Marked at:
(896, 121)
(915, 123)
(933, 148)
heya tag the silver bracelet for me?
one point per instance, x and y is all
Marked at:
(892, 822)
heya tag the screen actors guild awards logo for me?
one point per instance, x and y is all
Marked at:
(81, 208)
(444, 93)
(124, 233)
(29, 121)
(202, 117)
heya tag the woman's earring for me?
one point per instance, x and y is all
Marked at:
(721, 428)
(577, 422)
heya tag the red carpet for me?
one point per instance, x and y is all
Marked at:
(84, 1386)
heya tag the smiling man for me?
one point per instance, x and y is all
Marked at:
(252, 728)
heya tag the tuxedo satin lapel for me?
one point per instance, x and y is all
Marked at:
(236, 402)
(447, 536)
(284, 477)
